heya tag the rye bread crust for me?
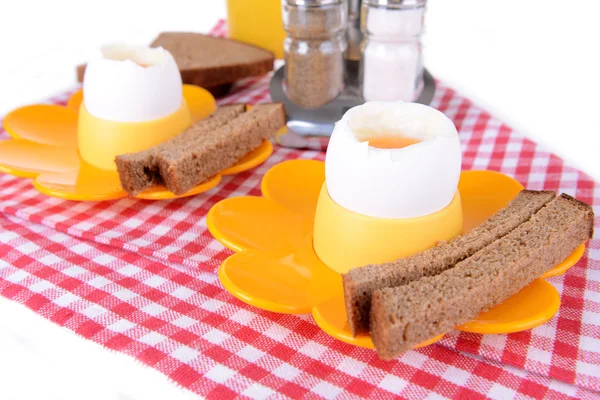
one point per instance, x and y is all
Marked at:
(405, 316)
(360, 283)
(583, 206)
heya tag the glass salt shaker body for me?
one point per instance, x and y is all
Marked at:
(391, 66)
(314, 50)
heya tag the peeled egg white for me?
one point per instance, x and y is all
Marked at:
(406, 182)
(132, 84)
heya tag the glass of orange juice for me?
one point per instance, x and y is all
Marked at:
(257, 22)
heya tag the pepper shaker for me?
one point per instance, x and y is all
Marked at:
(391, 62)
(314, 50)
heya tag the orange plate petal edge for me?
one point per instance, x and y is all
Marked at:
(276, 269)
(44, 148)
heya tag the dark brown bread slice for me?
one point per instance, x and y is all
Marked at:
(407, 315)
(209, 61)
(139, 171)
(184, 167)
(359, 283)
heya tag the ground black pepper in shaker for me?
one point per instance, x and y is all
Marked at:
(314, 50)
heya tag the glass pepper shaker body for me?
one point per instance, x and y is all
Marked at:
(391, 53)
(314, 50)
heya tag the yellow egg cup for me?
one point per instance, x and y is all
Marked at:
(276, 267)
(101, 140)
(344, 239)
(46, 139)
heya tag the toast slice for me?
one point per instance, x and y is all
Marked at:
(139, 171)
(183, 167)
(404, 316)
(209, 61)
(201, 151)
(360, 283)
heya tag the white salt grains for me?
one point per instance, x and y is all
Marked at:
(392, 66)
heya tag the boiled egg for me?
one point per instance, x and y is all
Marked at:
(132, 83)
(393, 160)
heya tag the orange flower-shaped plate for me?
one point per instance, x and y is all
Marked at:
(44, 147)
(275, 267)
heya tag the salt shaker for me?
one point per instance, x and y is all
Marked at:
(391, 62)
(314, 50)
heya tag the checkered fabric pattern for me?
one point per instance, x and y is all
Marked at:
(139, 277)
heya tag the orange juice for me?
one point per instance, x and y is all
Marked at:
(390, 142)
(257, 22)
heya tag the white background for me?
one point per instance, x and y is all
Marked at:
(534, 64)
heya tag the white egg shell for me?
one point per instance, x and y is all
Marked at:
(132, 84)
(407, 182)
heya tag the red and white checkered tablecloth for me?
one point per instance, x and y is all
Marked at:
(139, 277)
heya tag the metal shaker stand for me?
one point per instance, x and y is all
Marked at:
(311, 128)
(318, 123)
